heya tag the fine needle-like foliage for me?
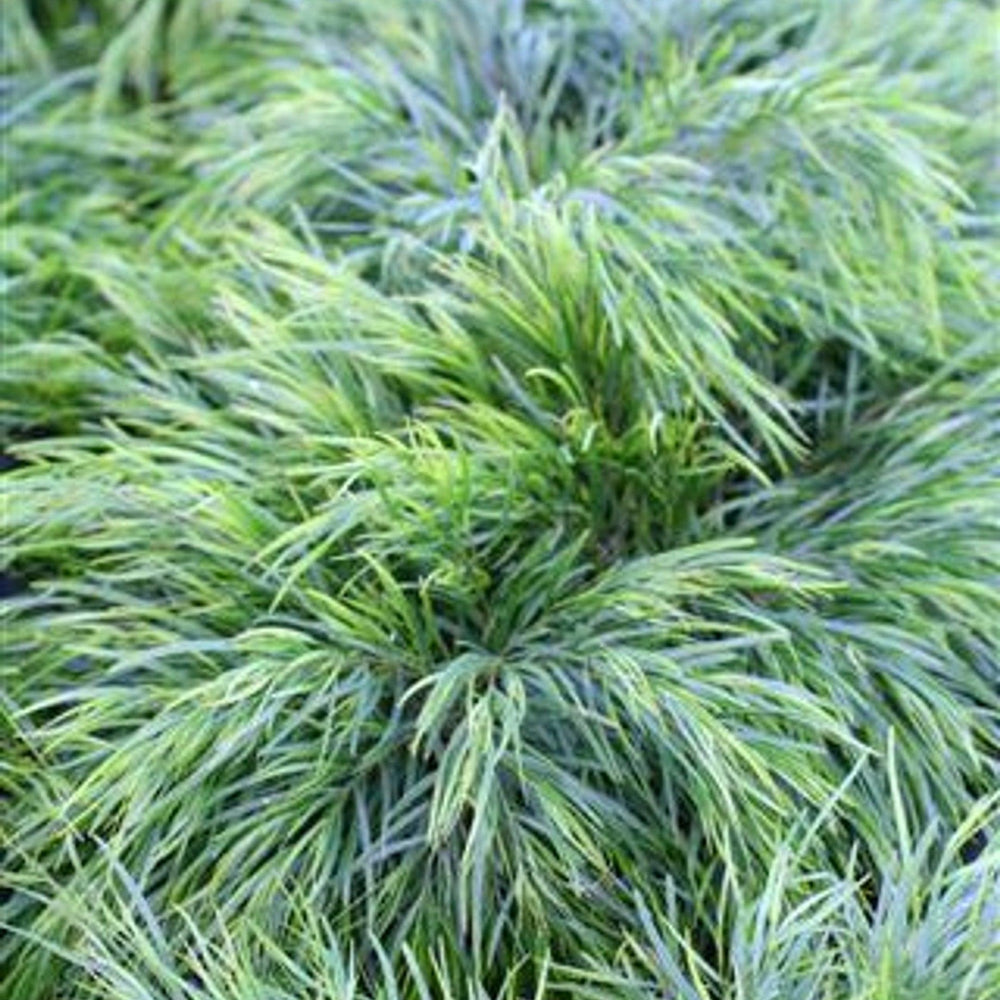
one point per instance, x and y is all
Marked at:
(501, 500)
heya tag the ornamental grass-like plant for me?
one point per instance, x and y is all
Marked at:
(501, 500)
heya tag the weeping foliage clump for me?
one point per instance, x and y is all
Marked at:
(501, 500)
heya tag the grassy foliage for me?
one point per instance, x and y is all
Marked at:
(509, 500)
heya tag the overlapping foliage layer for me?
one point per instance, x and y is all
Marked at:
(507, 500)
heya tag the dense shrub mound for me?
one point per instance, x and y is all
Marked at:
(501, 500)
